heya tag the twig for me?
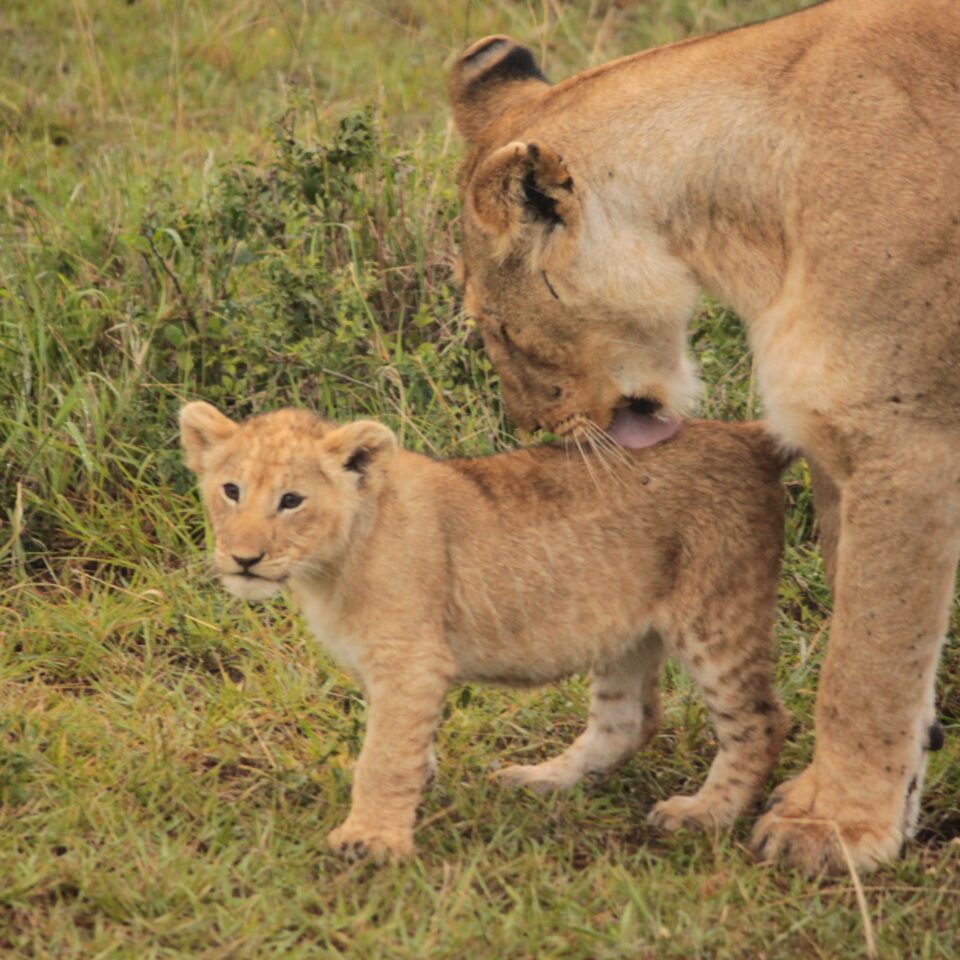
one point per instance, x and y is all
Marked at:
(173, 277)
(861, 896)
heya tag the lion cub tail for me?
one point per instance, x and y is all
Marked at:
(778, 454)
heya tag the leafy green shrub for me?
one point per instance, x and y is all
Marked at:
(322, 278)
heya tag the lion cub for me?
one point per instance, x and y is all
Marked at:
(519, 568)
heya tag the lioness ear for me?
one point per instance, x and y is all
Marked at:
(202, 427)
(364, 448)
(522, 183)
(491, 76)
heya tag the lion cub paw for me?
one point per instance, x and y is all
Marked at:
(694, 812)
(538, 777)
(359, 841)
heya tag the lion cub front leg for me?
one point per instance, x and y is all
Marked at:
(394, 763)
(624, 713)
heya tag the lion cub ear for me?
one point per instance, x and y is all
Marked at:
(201, 428)
(364, 448)
(522, 184)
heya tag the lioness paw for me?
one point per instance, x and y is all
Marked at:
(358, 842)
(802, 831)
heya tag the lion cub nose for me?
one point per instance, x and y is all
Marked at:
(245, 563)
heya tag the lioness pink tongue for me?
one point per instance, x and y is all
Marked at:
(636, 430)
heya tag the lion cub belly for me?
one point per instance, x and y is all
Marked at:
(547, 642)
(537, 658)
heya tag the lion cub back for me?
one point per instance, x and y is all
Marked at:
(558, 559)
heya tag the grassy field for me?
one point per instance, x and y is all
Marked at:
(253, 202)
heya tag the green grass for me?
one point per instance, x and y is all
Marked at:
(254, 202)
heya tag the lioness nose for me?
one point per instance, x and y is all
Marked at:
(247, 562)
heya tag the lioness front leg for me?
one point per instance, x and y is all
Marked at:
(896, 558)
(727, 651)
(624, 714)
(394, 764)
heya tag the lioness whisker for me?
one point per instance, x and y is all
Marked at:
(604, 439)
(597, 447)
(608, 459)
(586, 461)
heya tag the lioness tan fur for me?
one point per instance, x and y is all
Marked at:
(520, 568)
(805, 172)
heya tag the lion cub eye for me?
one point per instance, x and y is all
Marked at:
(290, 500)
(231, 491)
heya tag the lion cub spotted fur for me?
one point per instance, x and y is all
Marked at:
(519, 568)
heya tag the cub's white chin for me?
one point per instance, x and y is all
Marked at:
(250, 588)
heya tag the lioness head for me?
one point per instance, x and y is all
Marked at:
(284, 491)
(577, 302)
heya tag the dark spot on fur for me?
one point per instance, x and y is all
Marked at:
(480, 482)
(913, 785)
(606, 728)
(764, 706)
(607, 697)
(546, 280)
(894, 399)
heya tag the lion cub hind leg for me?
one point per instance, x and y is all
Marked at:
(394, 764)
(624, 714)
(731, 662)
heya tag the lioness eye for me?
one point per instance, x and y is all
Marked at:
(231, 491)
(290, 500)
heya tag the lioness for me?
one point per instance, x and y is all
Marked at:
(805, 172)
(519, 568)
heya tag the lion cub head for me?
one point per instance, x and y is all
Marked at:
(576, 299)
(284, 491)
